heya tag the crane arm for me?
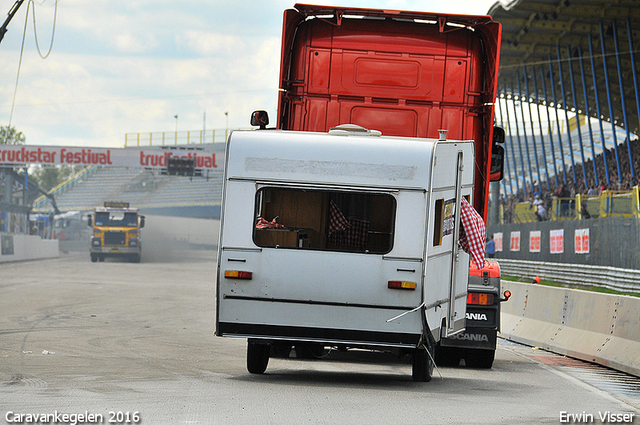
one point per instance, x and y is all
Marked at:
(12, 12)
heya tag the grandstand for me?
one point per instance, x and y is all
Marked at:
(568, 93)
(148, 190)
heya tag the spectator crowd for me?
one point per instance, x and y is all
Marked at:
(540, 195)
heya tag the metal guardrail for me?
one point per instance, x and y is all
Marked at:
(623, 280)
(188, 137)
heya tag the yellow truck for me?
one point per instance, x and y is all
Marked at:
(116, 232)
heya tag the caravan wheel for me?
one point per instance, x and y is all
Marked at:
(422, 366)
(257, 357)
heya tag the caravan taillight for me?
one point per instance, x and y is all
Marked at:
(480, 299)
(400, 284)
(237, 274)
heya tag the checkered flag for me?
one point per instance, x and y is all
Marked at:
(337, 220)
(473, 233)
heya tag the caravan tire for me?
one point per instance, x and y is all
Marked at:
(421, 366)
(257, 357)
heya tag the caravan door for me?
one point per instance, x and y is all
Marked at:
(454, 325)
(447, 266)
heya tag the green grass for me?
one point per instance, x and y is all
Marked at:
(547, 282)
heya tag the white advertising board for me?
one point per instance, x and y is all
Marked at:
(148, 157)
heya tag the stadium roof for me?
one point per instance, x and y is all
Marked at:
(535, 32)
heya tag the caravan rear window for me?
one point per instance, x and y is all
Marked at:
(324, 220)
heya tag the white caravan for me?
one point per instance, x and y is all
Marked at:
(342, 240)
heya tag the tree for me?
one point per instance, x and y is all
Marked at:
(51, 176)
(11, 136)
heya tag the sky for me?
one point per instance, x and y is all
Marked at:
(119, 67)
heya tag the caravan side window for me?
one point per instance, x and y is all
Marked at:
(444, 219)
(324, 220)
(438, 222)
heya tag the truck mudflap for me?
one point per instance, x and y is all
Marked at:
(477, 338)
(478, 317)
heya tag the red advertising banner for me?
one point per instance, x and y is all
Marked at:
(582, 241)
(534, 240)
(515, 241)
(556, 241)
(149, 157)
(497, 238)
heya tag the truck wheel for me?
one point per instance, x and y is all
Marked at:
(421, 366)
(257, 357)
(481, 359)
(135, 258)
(94, 258)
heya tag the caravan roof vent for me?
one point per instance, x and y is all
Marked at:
(353, 130)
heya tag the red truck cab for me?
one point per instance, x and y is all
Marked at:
(406, 74)
(403, 73)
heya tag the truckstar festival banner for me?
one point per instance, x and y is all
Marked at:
(150, 157)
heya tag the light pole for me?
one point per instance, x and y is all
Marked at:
(176, 135)
(204, 127)
(226, 128)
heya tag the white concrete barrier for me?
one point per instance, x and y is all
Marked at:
(622, 280)
(17, 247)
(591, 326)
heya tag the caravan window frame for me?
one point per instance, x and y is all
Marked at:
(305, 214)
